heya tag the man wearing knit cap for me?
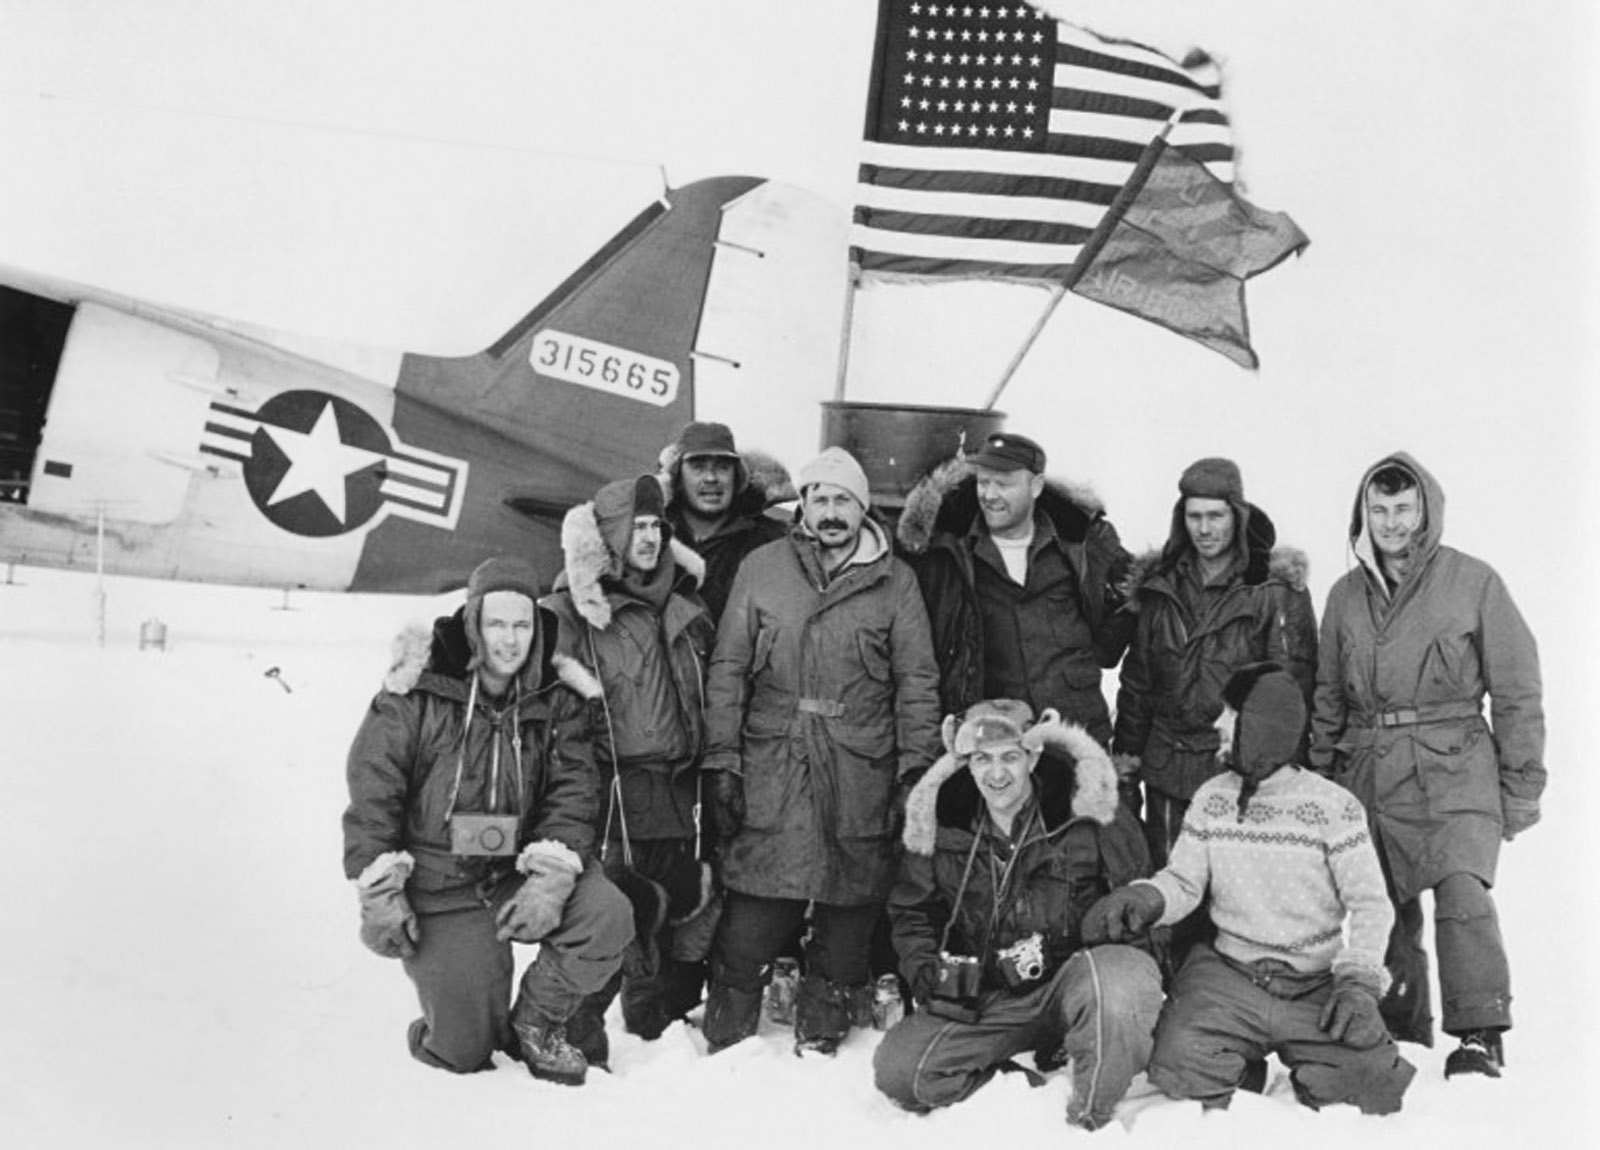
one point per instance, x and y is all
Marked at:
(1022, 579)
(1301, 916)
(822, 693)
(1415, 639)
(1215, 597)
(471, 826)
(629, 615)
(1000, 865)
(717, 504)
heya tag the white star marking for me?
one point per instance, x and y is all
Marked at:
(319, 461)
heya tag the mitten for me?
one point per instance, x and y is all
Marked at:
(727, 803)
(1122, 914)
(552, 870)
(1351, 1013)
(1519, 815)
(388, 924)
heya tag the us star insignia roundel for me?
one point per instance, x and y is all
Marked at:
(317, 464)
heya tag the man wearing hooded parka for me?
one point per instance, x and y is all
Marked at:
(1413, 639)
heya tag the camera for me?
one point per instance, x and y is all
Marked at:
(480, 836)
(959, 976)
(1022, 962)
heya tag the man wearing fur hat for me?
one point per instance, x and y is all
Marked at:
(718, 498)
(1000, 866)
(822, 694)
(629, 615)
(471, 826)
(1022, 578)
(1297, 898)
(1412, 640)
(1217, 596)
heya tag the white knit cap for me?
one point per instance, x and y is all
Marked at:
(838, 467)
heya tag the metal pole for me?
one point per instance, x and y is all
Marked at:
(1056, 292)
(844, 339)
(100, 567)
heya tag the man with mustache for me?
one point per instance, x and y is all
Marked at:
(629, 615)
(1413, 638)
(822, 694)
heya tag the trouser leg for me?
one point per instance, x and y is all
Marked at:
(1106, 1000)
(752, 931)
(1214, 1027)
(580, 955)
(1474, 977)
(463, 978)
(1407, 1008)
(926, 1061)
(1373, 1079)
(837, 967)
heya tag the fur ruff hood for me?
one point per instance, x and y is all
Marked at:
(946, 500)
(765, 481)
(442, 649)
(1288, 565)
(588, 559)
(1093, 794)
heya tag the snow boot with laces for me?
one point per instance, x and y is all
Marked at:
(547, 1053)
(1480, 1052)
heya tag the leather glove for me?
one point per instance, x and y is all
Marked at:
(1351, 1014)
(1519, 815)
(727, 803)
(388, 924)
(1123, 914)
(534, 910)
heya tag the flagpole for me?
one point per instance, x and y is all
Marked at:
(1057, 291)
(844, 339)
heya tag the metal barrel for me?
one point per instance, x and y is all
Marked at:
(899, 443)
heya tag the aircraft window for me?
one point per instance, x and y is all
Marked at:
(33, 330)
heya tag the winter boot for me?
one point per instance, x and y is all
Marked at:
(732, 1015)
(547, 1053)
(586, 1029)
(1480, 1052)
(821, 1015)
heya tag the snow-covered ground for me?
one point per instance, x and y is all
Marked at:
(179, 964)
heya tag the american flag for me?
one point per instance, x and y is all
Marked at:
(997, 137)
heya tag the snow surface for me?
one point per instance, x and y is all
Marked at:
(181, 966)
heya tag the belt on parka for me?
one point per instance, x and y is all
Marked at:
(1427, 713)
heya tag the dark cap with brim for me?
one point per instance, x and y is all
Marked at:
(714, 439)
(1004, 451)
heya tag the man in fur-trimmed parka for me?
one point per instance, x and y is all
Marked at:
(1022, 577)
(1217, 596)
(716, 503)
(1413, 639)
(1000, 866)
(630, 616)
(471, 826)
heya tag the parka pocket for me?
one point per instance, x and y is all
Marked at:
(761, 655)
(769, 780)
(1457, 769)
(865, 760)
(875, 658)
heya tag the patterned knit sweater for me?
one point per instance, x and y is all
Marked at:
(1284, 880)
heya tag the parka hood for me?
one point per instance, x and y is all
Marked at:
(759, 478)
(947, 796)
(1429, 534)
(443, 651)
(946, 500)
(588, 561)
(1263, 560)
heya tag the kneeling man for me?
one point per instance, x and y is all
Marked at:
(1302, 918)
(998, 871)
